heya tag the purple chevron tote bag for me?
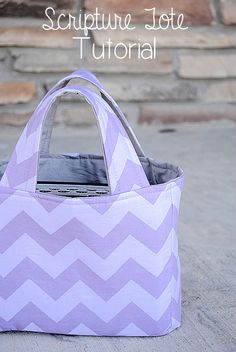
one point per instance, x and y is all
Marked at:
(101, 265)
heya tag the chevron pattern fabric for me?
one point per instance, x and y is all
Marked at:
(89, 77)
(118, 274)
(121, 160)
(104, 265)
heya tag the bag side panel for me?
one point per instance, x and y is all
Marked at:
(89, 269)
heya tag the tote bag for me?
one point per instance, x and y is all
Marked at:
(101, 265)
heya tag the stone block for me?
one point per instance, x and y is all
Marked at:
(207, 65)
(196, 12)
(17, 92)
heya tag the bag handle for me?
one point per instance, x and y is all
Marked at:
(88, 76)
(123, 167)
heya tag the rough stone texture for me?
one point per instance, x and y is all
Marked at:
(200, 38)
(2, 54)
(64, 61)
(75, 114)
(16, 92)
(215, 65)
(81, 114)
(228, 11)
(45, 60)
(35, 37)
(179, 113)
(206, 236)
(33, 8)
(221, 92)
(140, 89)
(197, 65)
(196, 12)
(14, 118)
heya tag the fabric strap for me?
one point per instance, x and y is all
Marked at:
(89, 77)
(123, 167)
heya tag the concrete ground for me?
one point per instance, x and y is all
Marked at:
(207, 235)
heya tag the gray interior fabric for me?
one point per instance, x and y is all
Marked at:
(90, 169)
(49, 123)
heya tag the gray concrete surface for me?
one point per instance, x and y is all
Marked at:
(207, 235)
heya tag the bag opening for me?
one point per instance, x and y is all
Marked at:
(84, 175)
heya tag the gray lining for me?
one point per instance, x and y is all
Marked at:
(90, 169)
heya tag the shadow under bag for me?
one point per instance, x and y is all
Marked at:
(106, 264)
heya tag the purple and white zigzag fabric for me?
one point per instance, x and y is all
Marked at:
(104, 265)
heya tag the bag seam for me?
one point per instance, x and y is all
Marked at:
(69, 201)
